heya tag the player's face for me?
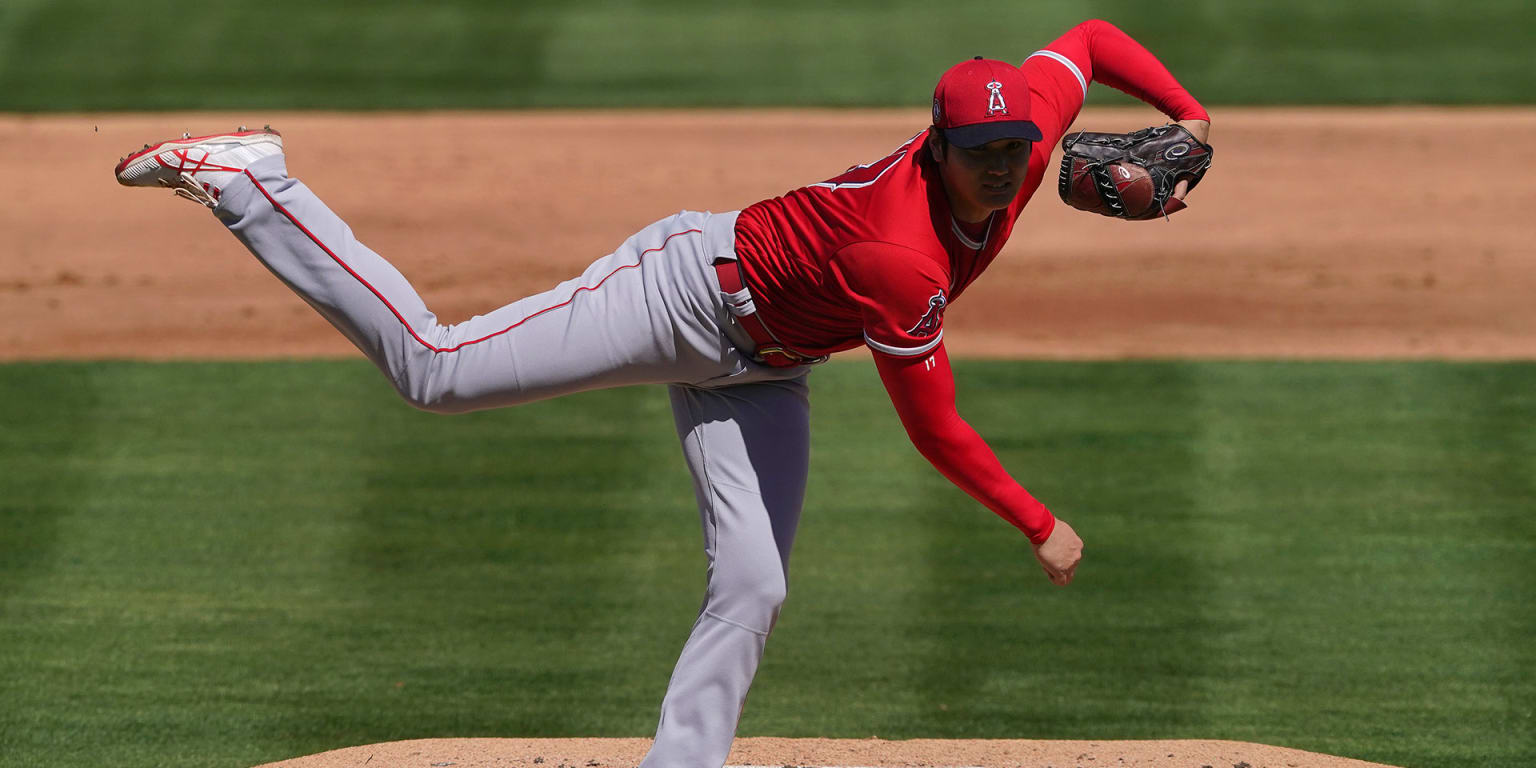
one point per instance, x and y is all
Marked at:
(985, 178)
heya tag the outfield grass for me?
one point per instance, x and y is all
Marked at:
(224, 564)
(389, 54)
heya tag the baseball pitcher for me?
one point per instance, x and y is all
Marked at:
(734, 311)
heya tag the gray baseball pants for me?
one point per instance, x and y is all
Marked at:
(650, 312)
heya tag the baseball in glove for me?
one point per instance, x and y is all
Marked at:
(1131, 175)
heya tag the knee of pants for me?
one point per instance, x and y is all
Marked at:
(749, 596)
(424, 397)
(433, 404)
(426, 383)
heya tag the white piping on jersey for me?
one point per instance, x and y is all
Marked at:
(965, 240)
(895, 161)
(905, 351)
(1078, 73)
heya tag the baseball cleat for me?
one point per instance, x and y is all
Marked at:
(197, 168)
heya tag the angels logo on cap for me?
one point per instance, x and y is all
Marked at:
(971, 103)
(995, 103)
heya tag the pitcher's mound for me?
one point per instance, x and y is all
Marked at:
(870, 753)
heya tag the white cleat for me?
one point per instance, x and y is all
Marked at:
(198, 168)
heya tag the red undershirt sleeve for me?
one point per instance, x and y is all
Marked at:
(1098, 51)
(923, 391)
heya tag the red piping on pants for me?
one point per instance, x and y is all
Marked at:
(412, 331)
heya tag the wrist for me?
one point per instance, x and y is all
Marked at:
(1186, 116)
(1039, 536)
(1199, 127)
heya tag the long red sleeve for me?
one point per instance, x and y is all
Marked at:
(1107, 55)
(923, 391)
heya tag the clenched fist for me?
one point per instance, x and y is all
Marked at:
(1060, 554)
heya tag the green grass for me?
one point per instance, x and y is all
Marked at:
(388, 54)
(226, 564)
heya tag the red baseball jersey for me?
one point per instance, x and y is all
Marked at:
(874, 255)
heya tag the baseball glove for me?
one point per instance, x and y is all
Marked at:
(1131, 175)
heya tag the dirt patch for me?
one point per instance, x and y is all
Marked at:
(873, 753)
(1320, 233)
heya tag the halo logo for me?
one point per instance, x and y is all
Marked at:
(929, 324)
(995, 103)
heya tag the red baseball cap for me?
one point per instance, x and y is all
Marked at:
(981, 100)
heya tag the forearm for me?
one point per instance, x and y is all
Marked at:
(965, 459)
(923, 393)
(1118, 61)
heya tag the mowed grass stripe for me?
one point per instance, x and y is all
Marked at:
(1368, 543)
(221, 564)
(290, 559)
(573, 519)
(42, 447)
(47, 442)
(1005, 646)
(153, 625)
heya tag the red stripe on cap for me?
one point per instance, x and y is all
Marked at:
(412, 331)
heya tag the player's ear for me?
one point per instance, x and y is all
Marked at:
(936, 146)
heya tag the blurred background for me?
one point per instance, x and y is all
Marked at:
(361, 54)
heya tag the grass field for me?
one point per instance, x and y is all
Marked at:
(224, 564)
(171, 54)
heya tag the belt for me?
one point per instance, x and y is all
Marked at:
(769, 350)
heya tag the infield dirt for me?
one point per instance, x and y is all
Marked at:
(1318, 234)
